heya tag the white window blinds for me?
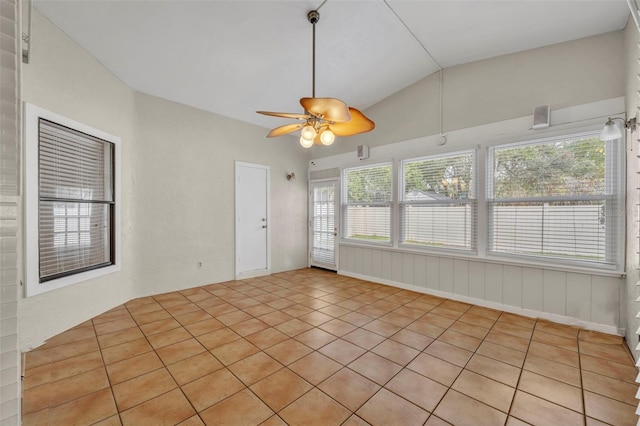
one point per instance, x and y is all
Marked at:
(10, 214)
(437, 205)
(366, 203)
(9, 148)
(556, 199)
(76, 199)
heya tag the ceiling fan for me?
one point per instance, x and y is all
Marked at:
(323, 118)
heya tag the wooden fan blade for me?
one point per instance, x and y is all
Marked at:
(286, 115)
(329, 109)
(359, 124)
(283, 130)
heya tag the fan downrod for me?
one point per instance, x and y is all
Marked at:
(313, 16)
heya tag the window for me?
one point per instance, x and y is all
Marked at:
(367, 198)
(556, 199)
(437, 205)
(552, 201)
(76, 201)
(72, 201)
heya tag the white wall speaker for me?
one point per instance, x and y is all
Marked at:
(363, 152)
(541, 117)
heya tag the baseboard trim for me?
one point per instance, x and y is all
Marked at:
(253, 274)
(562, 319)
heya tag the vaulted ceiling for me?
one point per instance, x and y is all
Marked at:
(236, 57)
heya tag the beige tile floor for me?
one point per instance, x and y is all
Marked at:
(310, 347)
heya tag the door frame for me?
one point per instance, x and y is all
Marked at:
(336, 220)
(257, 272)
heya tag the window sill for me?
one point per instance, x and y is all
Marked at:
(34, 287)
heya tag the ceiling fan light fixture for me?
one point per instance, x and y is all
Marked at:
(327, 137)
(308, 132)
(306, 143)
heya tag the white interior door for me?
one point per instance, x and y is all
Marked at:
(323, 229)
(252, 220)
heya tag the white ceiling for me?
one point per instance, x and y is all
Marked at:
(236, 57)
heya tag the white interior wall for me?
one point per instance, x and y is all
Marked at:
(492, 90)
(567, 295)
(177, 186)
(185, 192)
(491, 95)
(63, 78)
(630, 306)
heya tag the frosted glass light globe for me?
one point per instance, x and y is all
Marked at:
(327, 137)
(306, 143)
(309, 133)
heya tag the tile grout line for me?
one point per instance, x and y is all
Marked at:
(450, 387)
(165, 366)
(104, 365)
(226, 367)
(582, 390)
(524, 361)
(154, 351)
(351, 412)
(387, 338)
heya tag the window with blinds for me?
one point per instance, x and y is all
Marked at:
(557, 199)
(366, 203)
(76, 201)
(437, 203)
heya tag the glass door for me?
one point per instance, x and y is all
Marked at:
(323, 225)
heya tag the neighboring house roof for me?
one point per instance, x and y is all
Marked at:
(417, 195)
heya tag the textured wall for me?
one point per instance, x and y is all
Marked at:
(185, 195)
(177, 186)
(63, 78)
(496, 89)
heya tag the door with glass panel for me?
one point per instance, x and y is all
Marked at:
(323, 224)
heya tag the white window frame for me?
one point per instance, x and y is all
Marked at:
(615, 199)
(471, 201)
(344, 205)
(32, 115)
